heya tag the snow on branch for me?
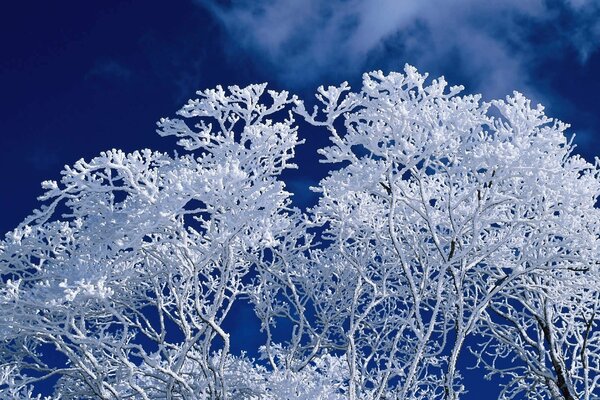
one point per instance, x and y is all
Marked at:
(449, 233)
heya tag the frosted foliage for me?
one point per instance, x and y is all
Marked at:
(450, 234)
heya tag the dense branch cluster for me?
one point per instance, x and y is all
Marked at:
(448, 229)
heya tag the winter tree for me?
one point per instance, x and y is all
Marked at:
(450, 234)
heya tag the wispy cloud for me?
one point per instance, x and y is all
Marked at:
(43, 159)
(109, 69)
(495, 46)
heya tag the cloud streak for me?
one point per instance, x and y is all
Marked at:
(493, 46)
(109, 69)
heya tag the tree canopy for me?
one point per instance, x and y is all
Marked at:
(447, 226)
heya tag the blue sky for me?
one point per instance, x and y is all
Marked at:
(77, 78)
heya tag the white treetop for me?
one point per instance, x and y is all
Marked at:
(450, 234)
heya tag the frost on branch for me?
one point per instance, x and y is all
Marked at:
(445, 212)
(444, 221)
(151, 251)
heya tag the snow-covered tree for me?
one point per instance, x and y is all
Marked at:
(132, 282)
(445, 206)
(445, 221)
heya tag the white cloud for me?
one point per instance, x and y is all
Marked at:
(490, 43)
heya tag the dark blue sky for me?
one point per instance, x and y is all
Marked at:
(78, 77)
